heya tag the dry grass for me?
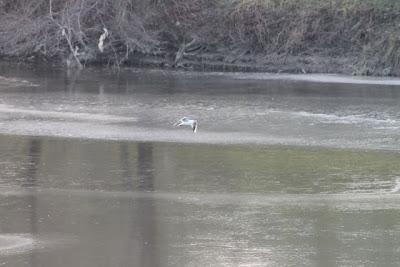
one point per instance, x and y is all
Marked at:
(364, 28)
(334, 28)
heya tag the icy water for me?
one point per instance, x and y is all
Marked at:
(284, 170)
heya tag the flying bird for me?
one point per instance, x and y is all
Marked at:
(185, 121)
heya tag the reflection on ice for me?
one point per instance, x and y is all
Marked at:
(373, 200)
(16, 243)
(396, 186)
(344, 119)
(14, 82)
(62, 115)
(322, 78)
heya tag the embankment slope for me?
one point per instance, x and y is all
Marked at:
(330, 36)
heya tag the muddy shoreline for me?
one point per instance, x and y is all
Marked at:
(255, 63)
(214, 62)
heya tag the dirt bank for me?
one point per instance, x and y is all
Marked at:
(297, 36)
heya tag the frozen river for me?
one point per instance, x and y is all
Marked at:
(284, 170)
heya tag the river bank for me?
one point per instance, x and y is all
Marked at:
(227, 62)
(232, 62)
(307, 36)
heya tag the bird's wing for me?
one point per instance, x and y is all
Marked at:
(178, 122)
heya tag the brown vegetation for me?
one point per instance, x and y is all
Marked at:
(358, 36)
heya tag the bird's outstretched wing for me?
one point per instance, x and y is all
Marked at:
(178, 122)
(182, 120)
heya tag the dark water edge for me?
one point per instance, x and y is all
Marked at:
(224, 62)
